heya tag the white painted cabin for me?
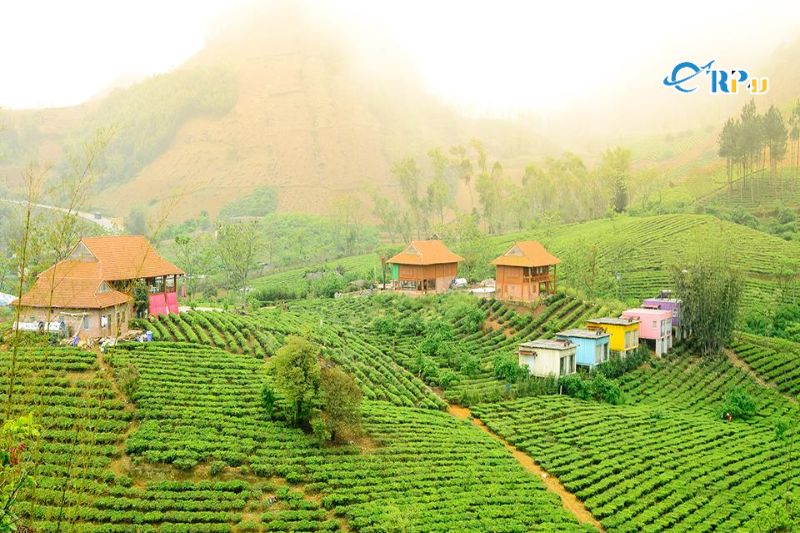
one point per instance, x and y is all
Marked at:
(548, 357)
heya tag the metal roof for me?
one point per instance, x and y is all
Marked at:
(583, 333)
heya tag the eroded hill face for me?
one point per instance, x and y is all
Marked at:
(309, 117)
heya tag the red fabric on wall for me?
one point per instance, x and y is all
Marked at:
(172, 302)
(158, 304)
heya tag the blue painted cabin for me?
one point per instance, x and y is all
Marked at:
(592, 345)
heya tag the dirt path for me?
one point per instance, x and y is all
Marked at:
(742, 364)
(570, 502)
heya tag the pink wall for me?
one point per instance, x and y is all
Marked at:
(653, 323)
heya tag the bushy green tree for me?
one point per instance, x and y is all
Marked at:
(237, 247)
(320, 397)
(297, 377)
(341, 404)
(196, 256)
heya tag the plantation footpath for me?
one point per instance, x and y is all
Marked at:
(777, 361)
(568, 500)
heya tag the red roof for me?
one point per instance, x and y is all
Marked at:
(73, 284)
(527, 254)
(128, 257)
(430, 252)
(81, 281)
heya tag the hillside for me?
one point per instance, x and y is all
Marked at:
(189, 448)
(280, 99)
(631, 257)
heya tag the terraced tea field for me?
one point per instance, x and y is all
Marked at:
(101, 463)
(777, 361)
(193, 450)
(639, 250)
(381, 363)
(379, 376)
(651, 467)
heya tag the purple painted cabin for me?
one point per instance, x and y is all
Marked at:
(665, 302)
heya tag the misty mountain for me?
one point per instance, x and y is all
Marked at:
(279, 99)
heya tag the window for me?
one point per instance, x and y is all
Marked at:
(86, 324)
(567, 365)
(655, 323)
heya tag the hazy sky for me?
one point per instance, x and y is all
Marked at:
(491, 56)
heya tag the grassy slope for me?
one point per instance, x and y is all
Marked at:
(640, 249)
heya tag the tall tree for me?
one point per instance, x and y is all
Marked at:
(465, 170)
(615, 167)
(297, 373)
(751, 139)
(196, 256)
(711, 290)
(438, 190)
(794, 134)
(728, 144)
(775, 137)
(238, 245)
(346, 214)
(491, 187)
(409, 176)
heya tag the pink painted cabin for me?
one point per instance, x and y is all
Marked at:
(654, 325)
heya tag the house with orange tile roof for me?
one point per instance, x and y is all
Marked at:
(424, 266)
(91, 291)
(525, 272)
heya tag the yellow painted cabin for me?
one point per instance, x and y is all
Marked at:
(624, 333)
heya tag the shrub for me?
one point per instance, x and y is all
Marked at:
(603, 389)
(575, 386)
(184, 463)
(614, 368)
(385, 325)
(739, 404)
(217, 467)
(128, 380)
(600, 389)
(507, 368)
